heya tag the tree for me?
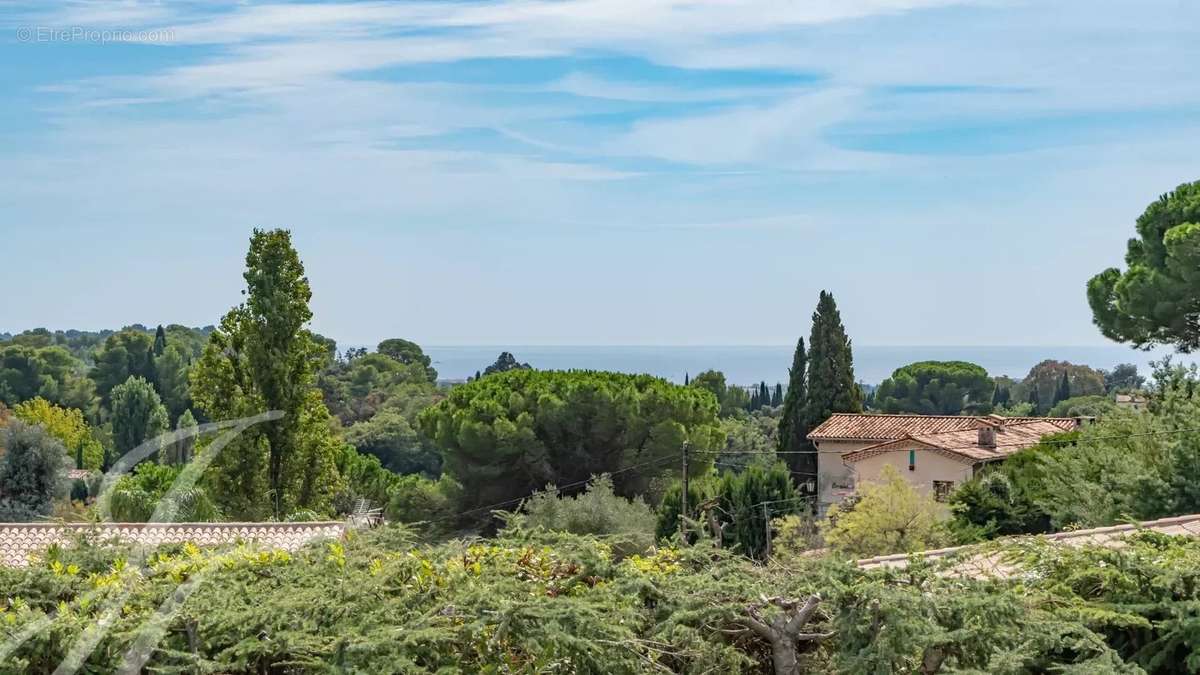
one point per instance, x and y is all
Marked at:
(357, 389)
(49, 372)
(1045, 380)
(390, 436)
(138, 416)
(793, 432)
(171, 367)
(32, 471)
(68, 426)
(627, 524)
(129, 353)
(935, 388)
(408, 353)
(183, 449)
(890, 516)
(504, 436)
(830, 387)
(262, 357)
(731, 399)
(749, 439)
(1083, 406)
(777, 396)
(504, 363)
(1123, 377)
(1063, 391)
(160, 341)
(1156, 300)
(136, 496)
(749, 500)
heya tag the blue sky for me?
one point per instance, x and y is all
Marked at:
(592, 171)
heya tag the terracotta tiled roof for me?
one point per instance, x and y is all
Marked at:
(984, 564)
(80, 474)
(19, 540)
(1011, 436)
(871, 427)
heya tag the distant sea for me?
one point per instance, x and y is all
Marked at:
(751, 364)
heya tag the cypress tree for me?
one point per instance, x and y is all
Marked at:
(1064, 388)
(1034, 399)
(160, 341)
(792, 432)
(777, 397)
(686, 380)
(831, 385)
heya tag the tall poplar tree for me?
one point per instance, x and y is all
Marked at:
(263, 358)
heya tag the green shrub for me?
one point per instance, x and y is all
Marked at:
(628, 524)
(135, 497)
(417, 499)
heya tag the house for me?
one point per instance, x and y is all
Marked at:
(935, 452)
(1135, 402)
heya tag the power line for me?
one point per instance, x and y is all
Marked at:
(742, 466)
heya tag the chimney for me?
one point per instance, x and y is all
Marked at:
(987, 436)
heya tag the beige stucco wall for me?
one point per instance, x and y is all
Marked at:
(832, 472)
(929, 466)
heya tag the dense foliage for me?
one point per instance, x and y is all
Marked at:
(505, 435)
(263, 358)
(627, 525)
(1128, 465)
(1154, 301)
(821, 382)
(48, 372)
(1045, 386)
(532, 602)
(33, 468)
(888, 516)
(135, 497)
(733, 508)
(138, 415)
(68, 426)
(936, 388)
(731, 399)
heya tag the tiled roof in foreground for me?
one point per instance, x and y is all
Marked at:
(874, 427)
(20, 540)
(991, 565)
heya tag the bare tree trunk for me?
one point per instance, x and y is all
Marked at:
(784, 631)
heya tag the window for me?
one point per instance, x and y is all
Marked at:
(942, 489)
(912, 460)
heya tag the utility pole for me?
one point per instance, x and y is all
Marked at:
(767, 525)
(683, 496)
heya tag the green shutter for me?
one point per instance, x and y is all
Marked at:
(912, 460)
